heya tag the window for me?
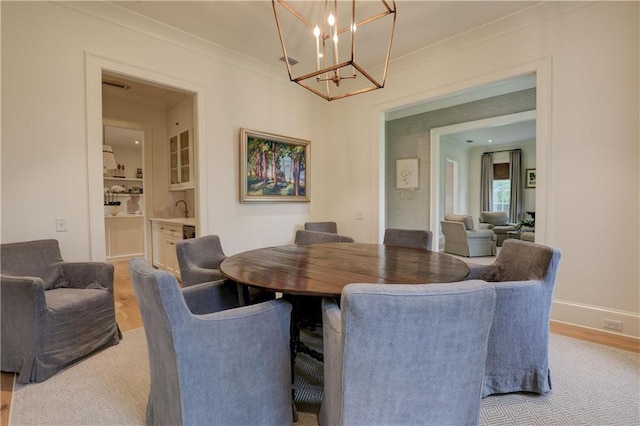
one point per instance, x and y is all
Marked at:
(501, 187)
(501, 195)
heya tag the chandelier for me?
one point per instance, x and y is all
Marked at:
(320, 39)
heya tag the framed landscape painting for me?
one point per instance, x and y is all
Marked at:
(273, 168)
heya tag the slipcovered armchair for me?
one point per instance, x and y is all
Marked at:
(210, 364)
(461, 237)
(500, 224)
(309, 237)
(524, 277)
(53, 312)
(408, 238)
(405, 354)
(199, 259)
(331, 227)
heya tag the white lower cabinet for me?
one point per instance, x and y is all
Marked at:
(165, 236)
(124, 237)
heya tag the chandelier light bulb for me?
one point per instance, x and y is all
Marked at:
(316, 31)
(331, 20)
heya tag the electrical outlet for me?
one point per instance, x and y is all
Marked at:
(613, 324)
(61, 224)
(359, 215)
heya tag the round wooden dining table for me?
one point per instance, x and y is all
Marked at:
(324, 269)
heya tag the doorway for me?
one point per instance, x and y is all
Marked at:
(124, 195)
(156, 134)
(470, 140)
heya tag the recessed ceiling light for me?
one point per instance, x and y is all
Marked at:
(137, 142)
(490, 141)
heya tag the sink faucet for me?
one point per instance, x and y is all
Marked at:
(186, 212)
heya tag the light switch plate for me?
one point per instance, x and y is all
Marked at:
(61, 224)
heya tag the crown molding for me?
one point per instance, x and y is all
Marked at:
(132, 21)
(517, 21)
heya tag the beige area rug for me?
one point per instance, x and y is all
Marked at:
(592, 385)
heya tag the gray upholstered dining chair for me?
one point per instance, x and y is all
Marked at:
(309, 237)
(199, 259)
(308, 312)
(54, 313)
(321, 227)
(404, 354)
(524, 276)
(209, 364)
(415, 238)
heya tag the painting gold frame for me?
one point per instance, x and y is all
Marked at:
(273, 168)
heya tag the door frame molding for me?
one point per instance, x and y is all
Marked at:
(94, 66)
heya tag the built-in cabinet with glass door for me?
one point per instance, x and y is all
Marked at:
(180, 119)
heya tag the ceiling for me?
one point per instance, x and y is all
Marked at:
(248, 27)
(126, 138)
(494, 135)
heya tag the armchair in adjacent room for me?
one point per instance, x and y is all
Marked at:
(210, 363)
(524, 275)
(53, 312)
(461, 237)
(404, 354)
(500, 224)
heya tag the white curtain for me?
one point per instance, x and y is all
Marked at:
(486, 182)
(515, 176)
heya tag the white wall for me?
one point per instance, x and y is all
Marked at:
(587, 63)
(586, 58)
(44, 161)
(465, 172)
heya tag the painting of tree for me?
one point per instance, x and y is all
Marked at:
(274, 168)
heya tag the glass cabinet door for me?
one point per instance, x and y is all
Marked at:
(173, 159)
(184, 157)
(180, 157)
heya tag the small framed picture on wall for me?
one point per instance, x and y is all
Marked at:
(407, 173)
(530, 178)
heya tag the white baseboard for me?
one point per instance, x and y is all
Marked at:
(593, 317)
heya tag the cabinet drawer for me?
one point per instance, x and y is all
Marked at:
(171, 231)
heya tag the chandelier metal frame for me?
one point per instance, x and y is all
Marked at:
(319, 81)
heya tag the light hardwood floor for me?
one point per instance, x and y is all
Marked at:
(128, 317)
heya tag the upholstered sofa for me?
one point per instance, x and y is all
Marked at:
(461, 237)
(500, 224)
